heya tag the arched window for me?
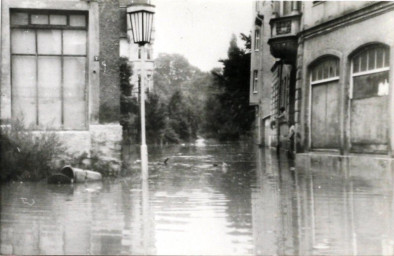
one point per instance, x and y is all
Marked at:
(325, 70)
(324, 82)
(369, 90)
(370, 72)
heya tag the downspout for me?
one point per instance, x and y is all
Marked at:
(278, 108)
(1, 60)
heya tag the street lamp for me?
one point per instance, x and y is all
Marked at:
(141, 21)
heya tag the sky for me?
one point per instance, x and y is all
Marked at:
(200, 30)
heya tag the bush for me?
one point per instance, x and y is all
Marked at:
(26, 155)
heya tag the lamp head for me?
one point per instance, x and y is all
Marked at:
(141, 22)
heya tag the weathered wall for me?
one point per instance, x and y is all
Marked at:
(317, 13)
(106, 142)
(109, 24)
(341, 41)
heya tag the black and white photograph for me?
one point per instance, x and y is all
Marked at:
(196, 127)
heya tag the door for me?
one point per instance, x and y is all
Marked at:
(324, 126)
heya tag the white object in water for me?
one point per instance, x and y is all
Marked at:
(200, 142)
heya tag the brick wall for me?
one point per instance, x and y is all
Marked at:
(109, 27)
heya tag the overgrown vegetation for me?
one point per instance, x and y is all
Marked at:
(27, 156)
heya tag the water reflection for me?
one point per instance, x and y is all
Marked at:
(212, 199)
(327, 206)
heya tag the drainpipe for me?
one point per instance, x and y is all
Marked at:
(1, 70)
(278, 107)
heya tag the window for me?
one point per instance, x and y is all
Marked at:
(369, 90)
(139, 53)
(255, 81)
(370, 73)
(286, 7)
(325, 71)
(283, 27)
(256, 39)
(49, 59)
(275, 90)
(283, 98)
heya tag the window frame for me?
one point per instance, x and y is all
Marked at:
(283, 27)
(368, 71)
(287, 7)
(255, 81)
(31, 12)
(36, 28)
(257, 39)
(317, 63)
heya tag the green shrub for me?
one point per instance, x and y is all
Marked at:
(26, 155)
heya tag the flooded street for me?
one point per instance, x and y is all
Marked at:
(208, 199)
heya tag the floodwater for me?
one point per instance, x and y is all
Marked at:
(209, 199)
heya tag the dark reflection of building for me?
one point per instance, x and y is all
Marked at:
(274, 206)
(332, 206)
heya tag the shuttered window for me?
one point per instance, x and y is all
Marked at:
(49, 60)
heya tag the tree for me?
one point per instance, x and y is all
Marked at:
(129, 109)
(171, 71)
(155, 119)
(230, 107)
(183, 88)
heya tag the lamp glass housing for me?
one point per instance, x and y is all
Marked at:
(141, 22)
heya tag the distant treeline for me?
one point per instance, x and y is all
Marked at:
(187, 102)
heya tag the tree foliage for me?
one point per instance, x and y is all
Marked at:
(187, 102)
(228, 113)
(182, 88)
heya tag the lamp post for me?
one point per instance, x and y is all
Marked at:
(141, 21)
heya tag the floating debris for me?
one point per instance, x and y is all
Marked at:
(70, 175)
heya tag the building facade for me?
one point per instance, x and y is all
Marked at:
(330, 86)
(60, 69)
